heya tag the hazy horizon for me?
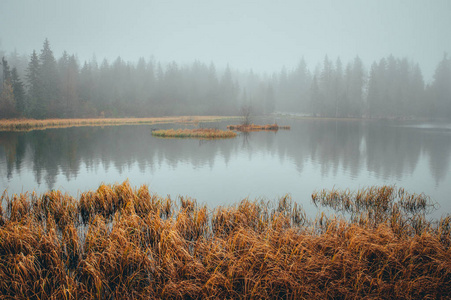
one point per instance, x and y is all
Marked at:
(262, 36)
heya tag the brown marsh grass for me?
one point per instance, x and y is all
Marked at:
(202, 133)
(253, 127)
(120, 242)
(32, 124)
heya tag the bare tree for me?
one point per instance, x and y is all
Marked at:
(246, 112)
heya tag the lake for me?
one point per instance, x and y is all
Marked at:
(313, 155)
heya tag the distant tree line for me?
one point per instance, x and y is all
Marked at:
(393, 88)
(41, 86)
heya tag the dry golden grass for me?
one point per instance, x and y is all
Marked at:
(202, 133)
(31, 124)
(253, 127)
(119, 242)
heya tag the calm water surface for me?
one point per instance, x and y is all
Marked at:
(313, 155)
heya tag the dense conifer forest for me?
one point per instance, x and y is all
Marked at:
(42, 86)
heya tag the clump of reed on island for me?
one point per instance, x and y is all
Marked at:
(253, 127)
(120, 242)
(203, 133)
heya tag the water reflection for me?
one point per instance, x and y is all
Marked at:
(337, 149)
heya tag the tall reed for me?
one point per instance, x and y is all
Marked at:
(120, 242)
(204, 133)
(253, 127)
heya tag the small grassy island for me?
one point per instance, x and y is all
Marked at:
(253, 127)
(203, 133)
(119, 242)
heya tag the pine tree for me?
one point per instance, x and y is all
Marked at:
(441, 88)
(34, 88)
(418, 105)
(229, 92)
(6, 70)
(338, 89)
(269, 100)
(18, 91)
(68, 70)
(356, 86)
(7, 101)
(302, 81)
(374, 89)
(86, 86)
(327, 88)
(48, 73)
(316, 98)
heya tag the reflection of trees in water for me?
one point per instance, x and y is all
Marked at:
(439, 153)
(336, 143)
(63, 151)
(393, 151)
(245, 137)
(10, 143)
(387, 150)
(328, 144)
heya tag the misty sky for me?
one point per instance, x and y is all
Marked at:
(262, 35)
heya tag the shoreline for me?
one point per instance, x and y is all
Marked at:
(32, 124)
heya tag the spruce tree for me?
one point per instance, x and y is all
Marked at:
(6, 70)
(441, 88)
(34, 87)
(357, 82)
(18, 91)
(316, 98)
(7, 101)
(48, 74)
(338, 89)
(417, 94)
(374, 89)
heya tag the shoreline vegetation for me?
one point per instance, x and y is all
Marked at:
(120, 242)
(253, 127)
(202, 133)
(32, 124)
(42, 124)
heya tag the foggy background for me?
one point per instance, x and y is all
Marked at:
(259, 35)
